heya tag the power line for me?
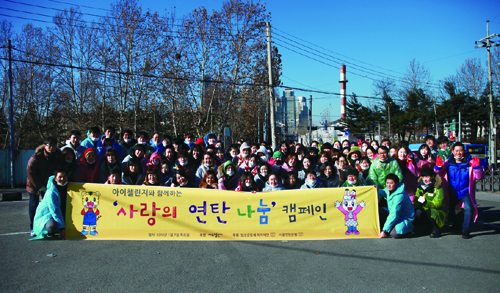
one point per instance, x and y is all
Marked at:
(321, 61)
(298, 82)
(360, 67)
(355, 67)
(182, 78)
(330, 59)
(48, 8)
(26, 18)
(132, 73)
(331, 51)
(80, 12)
(102, 27)
(81, 5)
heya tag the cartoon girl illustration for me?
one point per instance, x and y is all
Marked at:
(90, 213)
(350, 208)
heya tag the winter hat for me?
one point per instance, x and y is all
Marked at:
(355, 148)
(199, 140)
(262, 149)
(227, 164)
(154, 156)
(243, 146)
(427, 171)
(88, 151)
(277, 155)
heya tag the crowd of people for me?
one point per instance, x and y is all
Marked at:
(418, 191)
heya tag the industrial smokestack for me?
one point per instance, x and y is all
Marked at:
(343, 82)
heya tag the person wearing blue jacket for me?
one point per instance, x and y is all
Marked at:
(399, 222)
(50, 213)
(461, 172)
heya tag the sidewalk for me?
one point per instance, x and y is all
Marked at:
(11, 194)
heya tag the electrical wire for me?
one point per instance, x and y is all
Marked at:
(321, 61)
(345, 61)
(132, 73)
(102, 27)
(341, 61)
(333, 59)
(96, 15)
(80, 5)
(184, 79)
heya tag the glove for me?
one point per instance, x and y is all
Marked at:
(439, 162)
(408, 159)
(474, 163)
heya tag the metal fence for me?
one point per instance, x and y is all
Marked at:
(20, 163)
(490, 182)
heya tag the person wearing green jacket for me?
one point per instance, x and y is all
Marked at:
(429, 201)
(382, 166)
(444, 150)
(49, 216)
(399, 222)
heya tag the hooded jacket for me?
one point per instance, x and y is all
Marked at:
(40, 167)
(434, 200)
(401, 212)
(379, 170)
(49, 207)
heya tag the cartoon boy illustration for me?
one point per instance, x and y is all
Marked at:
(350, 208)
(90, 212)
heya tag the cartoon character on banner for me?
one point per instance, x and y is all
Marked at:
(350, 208)
(90, 212)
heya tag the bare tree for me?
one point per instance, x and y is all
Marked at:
(471, 77)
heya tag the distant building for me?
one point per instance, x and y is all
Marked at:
(291, 115)
(286, 114)
(302, 120)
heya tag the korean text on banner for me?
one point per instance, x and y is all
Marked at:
(105, 212)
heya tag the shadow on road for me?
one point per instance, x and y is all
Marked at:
(378, 259)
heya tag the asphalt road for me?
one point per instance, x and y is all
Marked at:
(419, 264)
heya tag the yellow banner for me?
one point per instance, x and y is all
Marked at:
(105, 212)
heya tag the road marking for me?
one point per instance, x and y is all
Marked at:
(14, 233)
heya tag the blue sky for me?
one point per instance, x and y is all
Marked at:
(378, 35)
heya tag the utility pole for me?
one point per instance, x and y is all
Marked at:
(11, 118)
(487, 43)
(459, 134)
(379, 138)
(309, 113)
(436, 120)
(389, 120)
(271, 95)
(258, 126)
